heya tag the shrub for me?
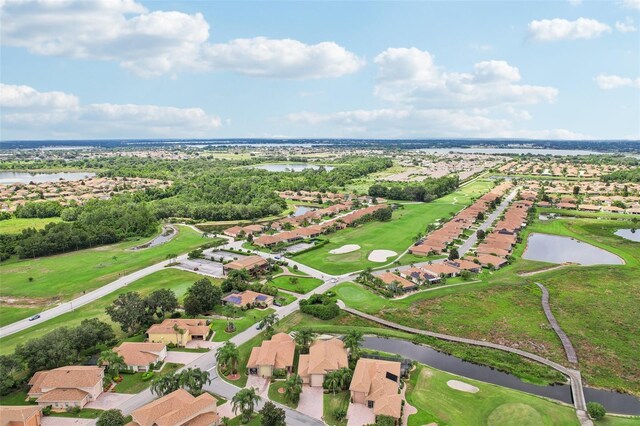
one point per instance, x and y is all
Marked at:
(279, 373)
(46, 410)
(324, 312)
(596, 410)
(147, 376)
(340, 414)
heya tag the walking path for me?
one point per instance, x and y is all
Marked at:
(568, 347)
(540, 271)
(575, 378)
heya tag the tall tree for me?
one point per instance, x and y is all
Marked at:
(129, 311)
(228, 355)
(193, 380)
(162, 302)
(111, 418)
(267, 324)
(272, 415)
(113, 361)
(353, 341)
(304, 338)
(202, 297)
(245, 400)
(293, 388)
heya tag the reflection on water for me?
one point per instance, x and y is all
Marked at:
(557, 249)
(629, 234)
(290, 167)
(26, 177)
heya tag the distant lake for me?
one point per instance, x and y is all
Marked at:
(629, 234)
(26, 177)
(535, 151)
(291, 167)
(557, 249)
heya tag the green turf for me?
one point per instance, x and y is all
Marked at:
(397, 235)
(66, 276)
(11, 314)
(16, 225)
(133, 383)
(248, 319)
(492, 405)
(85, 413)
(333, 402)
(304, 285)
(15, 398)
(275, 396)
(177, 280)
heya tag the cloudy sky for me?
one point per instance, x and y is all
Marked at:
(147, 69)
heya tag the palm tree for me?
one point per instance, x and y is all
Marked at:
(345, 375)
(293, 388)
(114, 362)
(304, 338)
(166, 384)
(231, 313)
(228, 355)
(194, 379)
(268, 323)
(179, 333)
(245, 401)
(353, 341)
(333, 381)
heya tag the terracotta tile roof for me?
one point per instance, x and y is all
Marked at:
(324, 355)
(195, 327)
(16, 415)
(63, 395)
(139, 353)
(248, 263)
(378, 380)
(277, 352)
(440, 268)
(73, 376)
(389, 278)
(247, 297)
(176, 409)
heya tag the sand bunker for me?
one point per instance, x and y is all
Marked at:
(381, 255)
(462, 386)
(345, 249)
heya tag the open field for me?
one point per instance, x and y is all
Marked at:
(16, 225)
(493, 405)
(396, 235)
(304, 285)
(591, 215)
(174, 279)
(248, 319)
(49, 280)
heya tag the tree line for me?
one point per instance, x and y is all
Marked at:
(425, 191)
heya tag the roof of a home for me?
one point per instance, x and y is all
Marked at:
(195, 327)
(10, 415)
(378, 380)
(248, 262)
(246, 297)
(389, 278)
(323, 356)
(63, 395)
(178, 408)
(73, 376)
(277, 352)
(139, 353)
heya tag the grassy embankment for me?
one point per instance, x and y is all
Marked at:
(36, 284)
(16, 225)
(396, 235)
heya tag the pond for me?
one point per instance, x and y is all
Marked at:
(300, 210)
(614, 402)
(629, 234)
(26, 177)
(290, 167)
(168, 232)
(557, 249)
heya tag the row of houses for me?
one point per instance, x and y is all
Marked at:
(313, 231)
(544, 167)
(438, 241)
(411, 278)
(375, 383)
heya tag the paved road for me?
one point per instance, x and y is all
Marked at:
(566, 343)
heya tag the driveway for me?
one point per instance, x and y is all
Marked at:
(185, 358)
(260, 383)
(311, 401)
(64, 421)
(198, 344)
(360, 414)
(109, 400)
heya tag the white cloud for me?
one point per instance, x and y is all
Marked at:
(575, 2)
(160, 42)
(631, 4)
(48, 114)
(410, 76)
(608, 82)
(627, 26)
(562, 29)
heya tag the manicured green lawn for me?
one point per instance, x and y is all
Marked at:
(248, 319)
(85, 413)
(10, 314)
(331, 403)
(174, 279)
(133, 383)
(245, 351)
(65, 276)
(304, 285)
(15, 398)
(256, 420)
(16, 225)
(276, 396)
(396, 235)
(492, 405)
(610, 420)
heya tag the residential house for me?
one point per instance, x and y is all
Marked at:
(66, 387)
(420, 275)
(276, 353)
(179, 408)
(441, 270)
(140, 355)
(178, 331)
(324, 357)
(389, 278)
(252, 264)
(20, 415)
(488, 259)
(248, 298)
(464, 265)
(376, 383)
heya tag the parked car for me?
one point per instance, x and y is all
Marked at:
(35, 317)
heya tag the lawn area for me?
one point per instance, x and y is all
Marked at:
(276, 396)
(248, 319)
(332, 403)
(493, 405)
(396, 235)
(174, 279)
(618, 421)
(15, 398)
(304, 285)
(85, 413)
(256, 420)
(16, 225)
(245, 351)
(133, 383)
(10, 314)
(63, 277)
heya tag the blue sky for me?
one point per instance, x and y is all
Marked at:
(145, 69)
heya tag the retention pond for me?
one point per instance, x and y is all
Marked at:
(557, 249)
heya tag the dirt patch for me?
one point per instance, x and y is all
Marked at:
(26, 302)
(381, 255)
(233, 377)
(281, 390)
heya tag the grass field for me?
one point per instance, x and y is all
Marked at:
(174, 279)
(304, 285)
(248, 319)
(133, 383)
(396, 235)
(493, 405)
(333, 402)
(16, 225)
(64, 277)
(276, 396)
